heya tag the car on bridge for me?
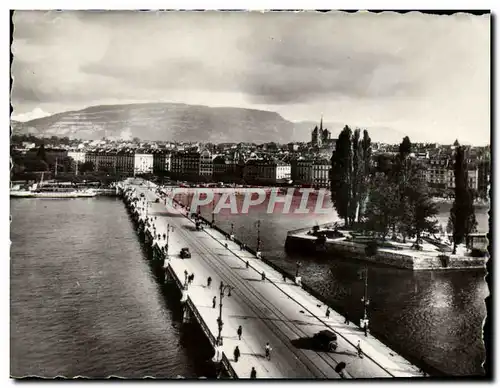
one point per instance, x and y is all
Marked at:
(185, 254)
(325, 340)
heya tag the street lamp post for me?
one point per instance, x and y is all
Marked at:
(169, 228)
(213, 213)
(298, 265)
(366, 302)
(258, 236)
(222, 288)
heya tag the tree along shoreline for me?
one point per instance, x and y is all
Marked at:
(394, 199)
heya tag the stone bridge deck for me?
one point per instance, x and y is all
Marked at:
(273, 310)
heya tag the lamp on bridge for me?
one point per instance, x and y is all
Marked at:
(169, 229)
(298, 264)
(366, 302)
(213, 213)
(222, 288)
(258, 254)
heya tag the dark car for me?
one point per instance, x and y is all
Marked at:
(185, 254)
(157, 200)
(325, 340)
(142, 195)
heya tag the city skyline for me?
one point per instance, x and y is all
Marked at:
(423, 75)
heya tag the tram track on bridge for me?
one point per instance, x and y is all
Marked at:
(327, 358)
(255, 305)
(218, 263)
(380, 367)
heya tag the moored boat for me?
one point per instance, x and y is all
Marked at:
(21, 193)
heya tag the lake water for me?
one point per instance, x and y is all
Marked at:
(83, 299)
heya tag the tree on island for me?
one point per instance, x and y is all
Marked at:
(350, 173)
(401, 175)
(422, 211)
(462, 217)
(364, 173)
(341, 190)
(381, 212)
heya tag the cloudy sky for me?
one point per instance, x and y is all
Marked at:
(424, 75)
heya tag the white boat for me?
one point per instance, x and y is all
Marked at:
(52, 191)
(64, 194)
(21, 193)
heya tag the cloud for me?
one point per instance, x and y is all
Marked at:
(35, 114)
(418, 72)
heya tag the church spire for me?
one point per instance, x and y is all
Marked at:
(321, 123)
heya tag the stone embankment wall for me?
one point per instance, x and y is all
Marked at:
(349, 249)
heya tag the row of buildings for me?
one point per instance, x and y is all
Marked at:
(202, 164)
(314, 171)
(304, 164)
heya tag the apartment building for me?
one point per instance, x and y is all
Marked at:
(206, 163)
(302, 171)
(321, 173)
(266, 171)
(162, 161)
(143, 162)
(77, 156)
(125, 159)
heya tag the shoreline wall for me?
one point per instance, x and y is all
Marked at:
(352, 250)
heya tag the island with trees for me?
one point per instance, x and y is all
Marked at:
(388, 215)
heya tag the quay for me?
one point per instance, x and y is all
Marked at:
(249, 293)
(399, 255)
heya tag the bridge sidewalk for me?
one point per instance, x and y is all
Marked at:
(369, 345)
(251, 350)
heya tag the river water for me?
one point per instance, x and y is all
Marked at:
(83, 299)
(84, 302)
(436, 316)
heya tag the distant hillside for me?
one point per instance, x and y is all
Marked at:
(181, 122)
(162, 121)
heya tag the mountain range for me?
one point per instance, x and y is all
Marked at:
(182, 122)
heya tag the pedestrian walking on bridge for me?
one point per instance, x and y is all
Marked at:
(360, 351)
(268, 351)
(214, 302)
(236, 353)
(248, 264)
(253, 373)
(263, 275)
(239, 332)
(346, 322)
(328, 312)
(209, 282)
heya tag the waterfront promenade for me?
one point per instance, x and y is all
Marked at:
(274, 310)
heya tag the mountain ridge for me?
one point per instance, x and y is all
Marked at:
(177, 122)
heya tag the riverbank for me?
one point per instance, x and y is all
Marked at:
(396, 255)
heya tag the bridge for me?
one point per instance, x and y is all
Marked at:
(269, 308)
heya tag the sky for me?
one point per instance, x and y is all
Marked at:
(426, 76)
